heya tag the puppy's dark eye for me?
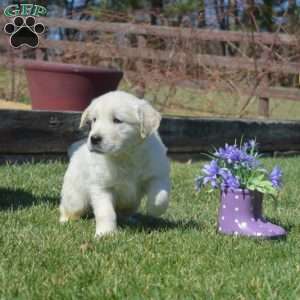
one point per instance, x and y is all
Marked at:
(94, 120)
(117, 121)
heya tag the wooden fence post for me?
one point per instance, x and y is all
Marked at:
(263, 107)
(264, 102)
(142, 42)
(139, 89)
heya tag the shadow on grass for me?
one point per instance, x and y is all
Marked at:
(18, 199)
(140, 222)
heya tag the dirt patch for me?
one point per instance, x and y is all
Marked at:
(13, 105)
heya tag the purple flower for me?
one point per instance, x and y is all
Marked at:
(211, 171)
(249, 145)
(252, 144)
(236, 156)
(226, 153)
(232, 182)
(229, 181)
(234, 167)
(222, 152)
(276, 177)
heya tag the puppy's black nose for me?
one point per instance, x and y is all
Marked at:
(96, 139)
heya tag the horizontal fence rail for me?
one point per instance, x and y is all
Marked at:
(214, 61)
(174, 32)
(170, 32)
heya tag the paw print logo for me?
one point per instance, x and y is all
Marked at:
(24, 32)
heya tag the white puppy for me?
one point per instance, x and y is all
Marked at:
(122, 160)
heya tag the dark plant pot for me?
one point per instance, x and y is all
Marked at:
(60, 87)
(241, 213)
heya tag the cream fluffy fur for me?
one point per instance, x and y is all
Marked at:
(122, 160)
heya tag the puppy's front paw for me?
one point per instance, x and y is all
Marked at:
(105, 229)
(103, 233)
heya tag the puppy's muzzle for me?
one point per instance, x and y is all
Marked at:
(96, 140)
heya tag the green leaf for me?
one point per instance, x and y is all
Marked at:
(263, 186)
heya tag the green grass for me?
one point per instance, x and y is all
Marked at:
(179, 257)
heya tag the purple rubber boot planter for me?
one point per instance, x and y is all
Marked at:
(240, 213)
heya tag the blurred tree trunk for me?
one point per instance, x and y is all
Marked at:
(222, 13)
(267, 16)
(156, 8)
(217, 13)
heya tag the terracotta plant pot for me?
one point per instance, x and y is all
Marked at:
(60, 87)
(241, 213)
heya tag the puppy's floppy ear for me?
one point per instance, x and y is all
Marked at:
(85, 117)
(149, 119)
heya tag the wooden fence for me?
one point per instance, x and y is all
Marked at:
(264, 65)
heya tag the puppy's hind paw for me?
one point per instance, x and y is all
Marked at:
(63, 216)
(63, 219)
